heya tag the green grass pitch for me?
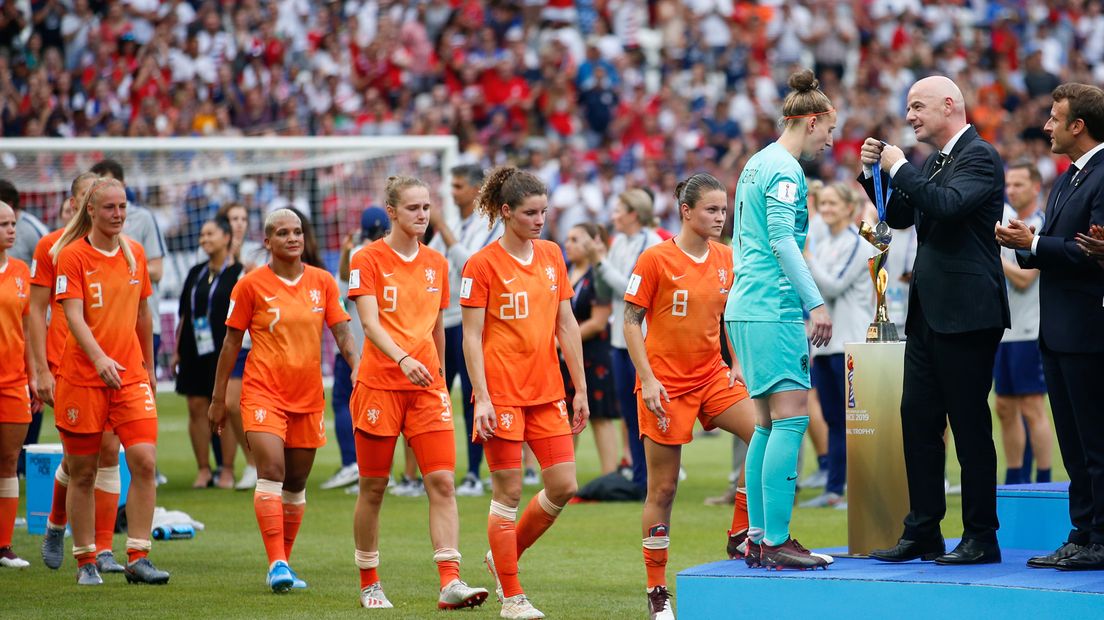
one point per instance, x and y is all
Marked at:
(588, 565)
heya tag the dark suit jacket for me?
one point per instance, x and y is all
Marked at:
(1071, 285)
(957, 278)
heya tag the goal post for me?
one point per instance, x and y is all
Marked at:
(184, 181)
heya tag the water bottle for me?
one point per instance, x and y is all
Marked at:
(174, 531)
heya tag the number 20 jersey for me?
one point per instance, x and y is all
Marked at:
(519, 330)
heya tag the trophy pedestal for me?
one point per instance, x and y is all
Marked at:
(882, 331)
(877, 490)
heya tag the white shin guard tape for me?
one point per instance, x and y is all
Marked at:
(139, 544)
(9, 487)
(446, 555)
(547, 504)
(503, 511)
(107, 480)
(297, 497)
(61, 476)
(657, 542)
(269, 487)
(366, 559)
(79, 551)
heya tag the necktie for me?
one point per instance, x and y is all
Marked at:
(1074, 170)
(941, 160)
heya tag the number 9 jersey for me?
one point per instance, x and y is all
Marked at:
(685, 299)
(522, 301)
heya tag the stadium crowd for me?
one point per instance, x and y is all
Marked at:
(606, 94)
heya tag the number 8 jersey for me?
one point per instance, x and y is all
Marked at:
(519, 330)
(685, 299)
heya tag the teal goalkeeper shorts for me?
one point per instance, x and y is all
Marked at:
(774, 357)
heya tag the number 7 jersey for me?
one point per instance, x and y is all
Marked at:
(285, 322)
(519, 330)
(685, 300)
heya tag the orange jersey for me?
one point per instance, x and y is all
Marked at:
(410, 296)
(519, 330)
(15, 303)
(43, 273)
(685, 300)
(111, 294)
(285, 322)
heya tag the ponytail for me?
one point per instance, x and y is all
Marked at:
(506, 185)
(80, 225)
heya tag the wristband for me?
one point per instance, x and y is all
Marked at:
(402, 358)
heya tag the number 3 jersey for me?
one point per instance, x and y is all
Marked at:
(285, 322)
(685, 298)
(110, 293)
(522, 301)
(410, 294)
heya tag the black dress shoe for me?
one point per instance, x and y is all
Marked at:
(1087, 558)
(906, 550)
(1051, 560)
(971, 551)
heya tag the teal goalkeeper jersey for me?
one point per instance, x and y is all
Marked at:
(771, 184)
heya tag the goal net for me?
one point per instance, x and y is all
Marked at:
(184, 182)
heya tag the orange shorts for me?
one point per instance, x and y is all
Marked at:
(129, 433)
(82, 410)
(504, 454)
(702, 403)
(298, 430)
(15, 405)
(530, 422)
(434, 451)
(386, 413)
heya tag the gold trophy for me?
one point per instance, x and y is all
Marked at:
(882, 329)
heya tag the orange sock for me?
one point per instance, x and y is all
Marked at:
(270, 518)
(502, 534)
(539, 515)
(137, 549)
(294, 505)
(106, 506)
(85, 555)
(9, 506)
(739, 513)
(655, 554)
(366, 562)
(58, 516)
(448, 565)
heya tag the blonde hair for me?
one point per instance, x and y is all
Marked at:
(396, 184)
(639, 202)
(278, 214)
(805, 99)
(81, 225)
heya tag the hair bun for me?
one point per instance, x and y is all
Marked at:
(804, 81)
(678, 191)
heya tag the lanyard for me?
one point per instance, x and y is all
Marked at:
(880, 198)
(473, 219)
(643, 246)
(211, 292)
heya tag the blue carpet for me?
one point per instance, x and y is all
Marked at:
(1011, 573)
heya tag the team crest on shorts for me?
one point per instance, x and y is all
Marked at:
(72, 414)
(804, 363)
(562, 406)
(506, 420)
(663, 423)
(372, 415)
(322, 429)
(259, 415)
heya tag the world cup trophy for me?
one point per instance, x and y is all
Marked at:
(882, 329)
